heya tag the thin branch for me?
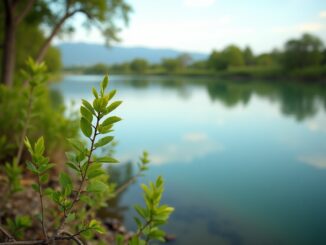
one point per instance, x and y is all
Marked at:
(26, 124)
(55, 31)
(42, 209)
(40, 242)
(127, 183)
(76, 199)
(7, 234)
(74, 236)
(25, 11)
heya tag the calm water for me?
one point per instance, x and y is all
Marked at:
(244, 162)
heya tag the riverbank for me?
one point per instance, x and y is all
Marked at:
(309, 74)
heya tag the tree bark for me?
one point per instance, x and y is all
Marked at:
(9, 46)
(9, 41)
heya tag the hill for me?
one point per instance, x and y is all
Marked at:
(85, 54)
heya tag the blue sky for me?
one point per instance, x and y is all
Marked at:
(203, 25)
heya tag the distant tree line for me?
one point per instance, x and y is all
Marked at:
(307, 52)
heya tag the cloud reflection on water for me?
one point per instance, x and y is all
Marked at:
(316, 161)
(189, 147)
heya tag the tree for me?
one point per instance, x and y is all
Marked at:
(14, 13)
(217, 61)
(265, 59)
(185, 60)
(53, 15)
(248, 56)
(230, 56)
(171, 65)
(303, 52)
(139, 65)
(233, 56)
(25, 48)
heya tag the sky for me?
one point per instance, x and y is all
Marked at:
(204, 25)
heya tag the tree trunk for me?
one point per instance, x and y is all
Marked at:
(9, 48)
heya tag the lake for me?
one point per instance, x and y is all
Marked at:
(243, 162)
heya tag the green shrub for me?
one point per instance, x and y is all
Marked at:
(67, 205)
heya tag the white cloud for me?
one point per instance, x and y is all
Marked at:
(198, 3)
(310, 27)
(317, 161)
(195, 137)
(322, 14)
(191, 35)
(192, 145)
(317, 123)
(304, 27)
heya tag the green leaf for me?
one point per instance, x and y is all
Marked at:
(32, 168)
(71, 217)
(112, 93)
(28, 145)
(65, 183)
(95, 225)
(72, 166)
(88, 106)
(138, 222)
(44, 178)
(39, 146)
(86, 114)
(156, 234)
(96, 186)
(86, 199)
(105, 129)
(86, 127)
(111, 120)
(105, 82)
(46, 167)
(141, 211)
(97, 105)
(113, 106)
(106, 159)
(103, 141)
(77, 144)
(48, 191)
(95, 93)
(36, 187)
(119, 239)
(94, 173)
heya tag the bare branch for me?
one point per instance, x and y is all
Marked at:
(25, 11)
(7, 234)
(43, 242)
(126, 184)
(55, 31)
(73, 237)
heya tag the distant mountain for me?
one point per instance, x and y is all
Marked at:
(74, 54)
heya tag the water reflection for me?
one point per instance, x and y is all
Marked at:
(299, 100)
(246, 159)
(118, 175)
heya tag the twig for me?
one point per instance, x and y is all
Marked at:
(127, 183)
(42, 209)
(24, 132)
(73, 237)
(83, 177)
(41, 242)
(7, 234)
